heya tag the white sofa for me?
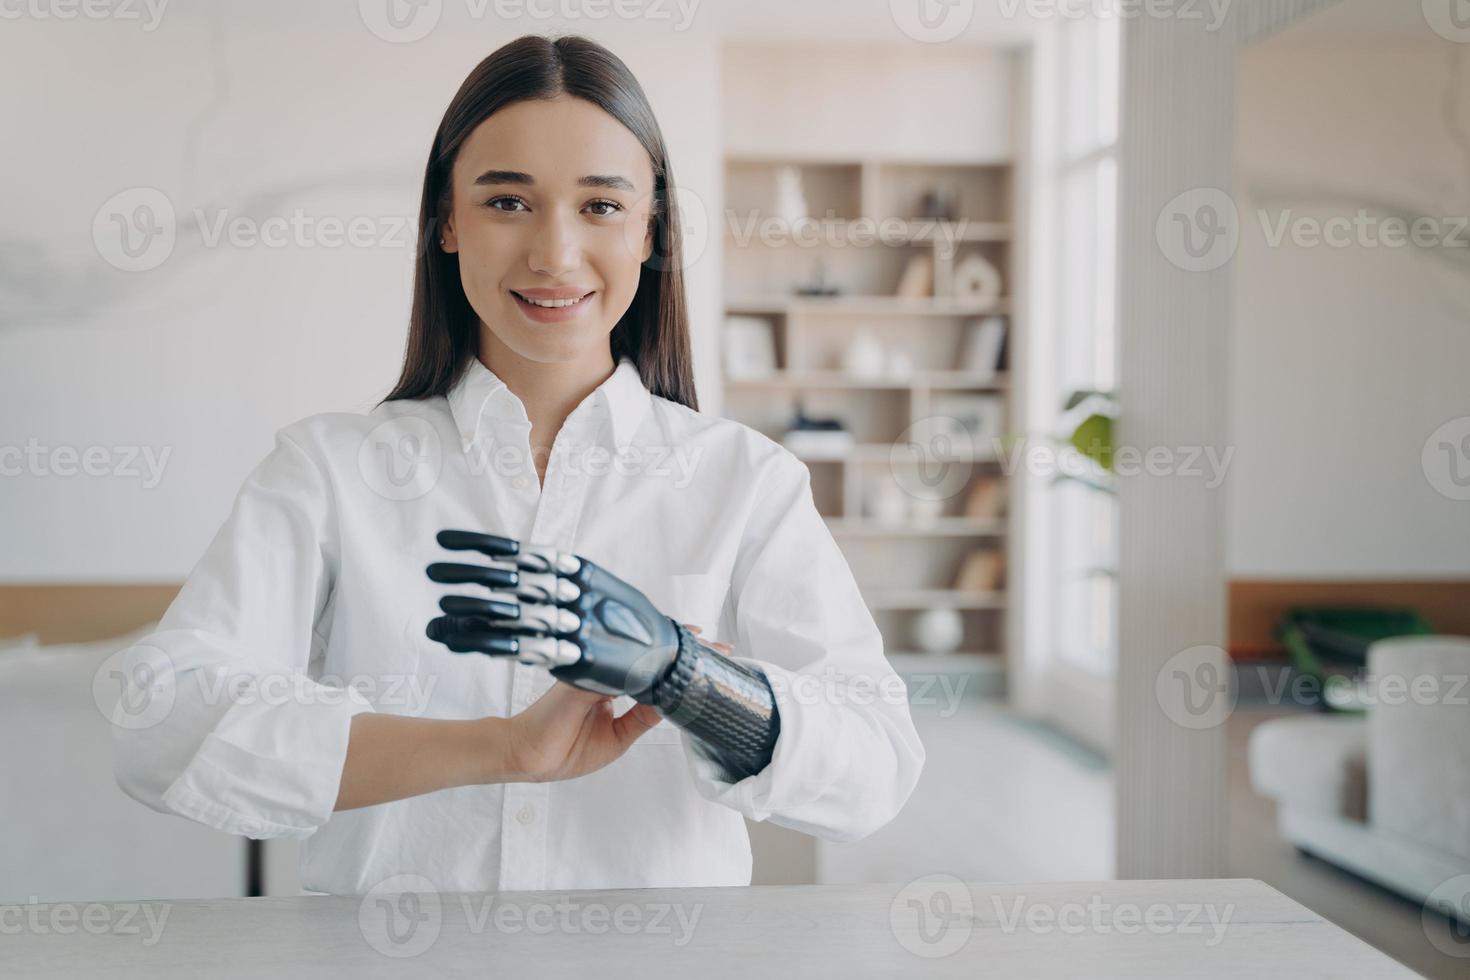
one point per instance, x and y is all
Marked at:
(1386, 794)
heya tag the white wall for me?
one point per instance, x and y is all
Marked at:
(1345, 360)
(869, 102)
(204, 357)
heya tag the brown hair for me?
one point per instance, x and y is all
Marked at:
(443, 330)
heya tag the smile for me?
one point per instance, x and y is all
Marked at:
(545, 311)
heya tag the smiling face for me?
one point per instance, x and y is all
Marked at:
(551, 201)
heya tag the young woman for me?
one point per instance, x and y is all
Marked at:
(293, 690)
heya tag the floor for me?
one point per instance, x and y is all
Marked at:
(1000, 800)
(1380, 918)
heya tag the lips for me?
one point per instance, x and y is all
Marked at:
(552, 314)
(559, 292)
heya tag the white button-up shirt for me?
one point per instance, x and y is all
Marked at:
(310, 604)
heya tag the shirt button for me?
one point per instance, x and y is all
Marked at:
(527, 814)
(519, 483)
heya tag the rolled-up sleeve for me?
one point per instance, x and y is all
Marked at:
(218, 719)
(848, 756)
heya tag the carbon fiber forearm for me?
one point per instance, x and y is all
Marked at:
(727, 706)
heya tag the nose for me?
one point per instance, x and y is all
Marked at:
(556, 248)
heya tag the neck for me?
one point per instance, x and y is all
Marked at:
(550, 390)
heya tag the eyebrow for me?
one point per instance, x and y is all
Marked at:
(612, 181)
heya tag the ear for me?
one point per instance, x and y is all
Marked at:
(448, 241)
(648, 239)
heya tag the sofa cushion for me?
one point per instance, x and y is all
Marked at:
(1314, 763)
(1419, 740)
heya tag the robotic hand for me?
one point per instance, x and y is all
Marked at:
(597, 632)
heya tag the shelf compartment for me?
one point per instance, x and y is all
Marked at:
(955, 380)
(959, 527)
(894, 599)
(983, 192)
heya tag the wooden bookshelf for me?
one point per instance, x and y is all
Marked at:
(903, 565)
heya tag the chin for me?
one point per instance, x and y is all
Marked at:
(554, 343)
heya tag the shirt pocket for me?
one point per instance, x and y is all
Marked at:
(698, 598)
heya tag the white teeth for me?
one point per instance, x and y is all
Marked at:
(552, 303)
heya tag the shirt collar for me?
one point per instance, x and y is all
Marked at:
(480, 392)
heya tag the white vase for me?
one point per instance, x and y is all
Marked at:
(864, 357)
(887, 503)
(938, 631)
(926, 510)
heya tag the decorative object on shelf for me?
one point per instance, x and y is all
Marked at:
(749, 348)
(886, 501)
(969, 419)
(863, 357)
(986, 499)
(938, 630)
(818, 286)
(900, 364)
(984, 341)
(926, 510)
(976, 281)
(983, 570)
(917, 281)
(941, 201)
(816, 438)
(790, 199)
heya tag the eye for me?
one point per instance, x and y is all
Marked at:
(491, 204)
(614, 205)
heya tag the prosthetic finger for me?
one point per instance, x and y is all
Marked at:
(595, 631)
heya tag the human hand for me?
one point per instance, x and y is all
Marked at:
(570, 732)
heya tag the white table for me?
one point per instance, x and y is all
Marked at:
(933, 928)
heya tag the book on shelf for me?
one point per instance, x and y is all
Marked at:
(983, 570)
(986, 499)
(984, 343)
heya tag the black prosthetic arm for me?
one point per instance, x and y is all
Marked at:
(727, 706)
(593, 630)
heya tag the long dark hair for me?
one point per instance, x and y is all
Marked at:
(443, 329)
